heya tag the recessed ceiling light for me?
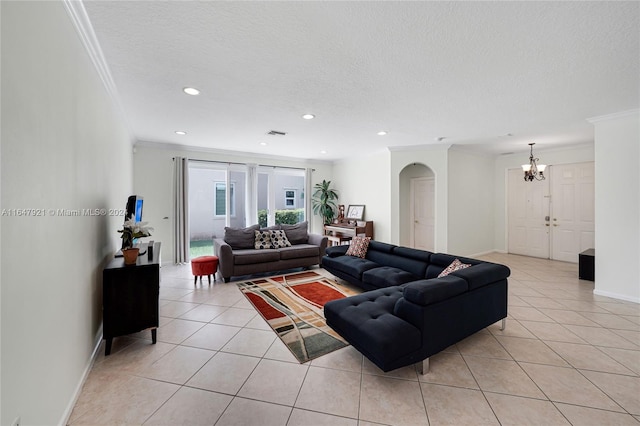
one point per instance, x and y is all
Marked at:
(263, 143)
(191, 91)
(382, 133)
(308, 116)
(180, 132)
(323, 152)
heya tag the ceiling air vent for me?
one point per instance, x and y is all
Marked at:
(276, 133)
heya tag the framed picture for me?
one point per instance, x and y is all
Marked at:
(355, 211)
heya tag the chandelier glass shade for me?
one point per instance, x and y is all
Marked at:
(533, 170)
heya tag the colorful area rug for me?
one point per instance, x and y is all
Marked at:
(293, 304)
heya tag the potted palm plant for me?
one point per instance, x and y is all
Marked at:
(324, 201)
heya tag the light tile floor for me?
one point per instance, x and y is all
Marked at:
(566, 357)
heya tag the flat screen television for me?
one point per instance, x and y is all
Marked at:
(134, 208)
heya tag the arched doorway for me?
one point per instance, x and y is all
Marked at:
(417, 207)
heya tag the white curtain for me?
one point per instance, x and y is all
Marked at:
(308, 212)
(181, 210)
(251, 198)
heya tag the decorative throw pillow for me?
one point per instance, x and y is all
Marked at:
(358, 247)
(240, 238)
(456, 265)
(298, 233)
(279, 239)
(263, 240)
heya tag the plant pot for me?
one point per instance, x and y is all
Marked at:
(130, 255)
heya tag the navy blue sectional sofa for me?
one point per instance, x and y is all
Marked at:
(408, 314)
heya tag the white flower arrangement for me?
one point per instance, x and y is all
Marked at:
(132, 230)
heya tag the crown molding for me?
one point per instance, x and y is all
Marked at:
(82, 24)
(614, 116)
(191, 148)
(469, 149)
(421, 147)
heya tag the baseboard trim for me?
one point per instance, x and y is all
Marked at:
(76, 394)
(616, 296)
(482, 253)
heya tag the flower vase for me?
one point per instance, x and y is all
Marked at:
(130, 255)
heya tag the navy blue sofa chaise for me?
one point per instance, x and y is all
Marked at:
(408, 314)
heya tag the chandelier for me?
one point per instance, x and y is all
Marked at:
(533, 170)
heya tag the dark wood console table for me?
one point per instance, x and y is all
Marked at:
(130, 295)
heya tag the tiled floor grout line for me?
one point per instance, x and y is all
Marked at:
(161, 405)
(360, 389)
(424, 403)
(233, 396)
(523, 370)
(295, 401)
(581, 303)
(603, 391)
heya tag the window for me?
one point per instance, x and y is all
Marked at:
(289, 198)
(220, 199)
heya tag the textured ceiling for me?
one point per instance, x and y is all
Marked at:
(467, 71)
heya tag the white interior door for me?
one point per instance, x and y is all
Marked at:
(423, 213)
(573, 210)
(527, 211)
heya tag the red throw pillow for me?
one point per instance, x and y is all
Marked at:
(358, 247)
(456, 265)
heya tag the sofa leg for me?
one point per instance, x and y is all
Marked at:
(226, 279)
(423, 367)
(504, 323)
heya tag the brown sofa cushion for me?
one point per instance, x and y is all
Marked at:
(241, 238)
(298, 233)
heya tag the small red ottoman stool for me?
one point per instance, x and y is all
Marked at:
(204, 265)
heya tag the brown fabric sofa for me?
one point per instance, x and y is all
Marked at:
(237, 255)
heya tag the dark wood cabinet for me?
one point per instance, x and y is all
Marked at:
(130, 295)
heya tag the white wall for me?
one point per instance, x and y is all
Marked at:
(365, 180)
(153, 174)
(0, 224)
(471, 207)
(436, 158)
(575, 154)
(617, 152)
(63, 147)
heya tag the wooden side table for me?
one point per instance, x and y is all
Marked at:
(130, 296)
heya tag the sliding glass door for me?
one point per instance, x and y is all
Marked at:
(240, 195)
(280, 196)
(216, 199)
